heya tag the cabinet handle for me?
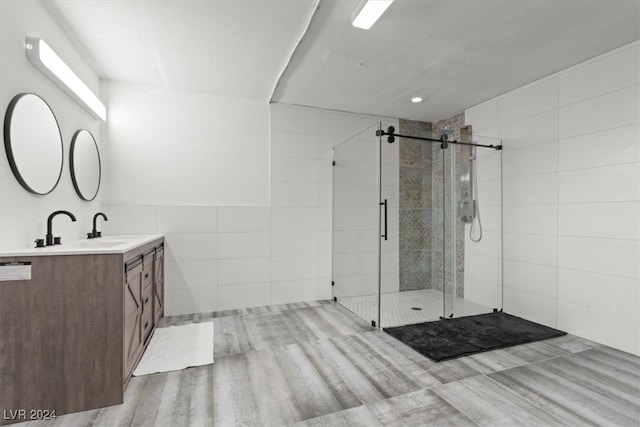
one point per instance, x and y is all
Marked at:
(146, 324)
(146, 275)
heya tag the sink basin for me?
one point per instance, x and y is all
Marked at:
(101, 243)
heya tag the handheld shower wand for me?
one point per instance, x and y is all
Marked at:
(475, 231)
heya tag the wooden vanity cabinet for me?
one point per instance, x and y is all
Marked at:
(144, 284)
(158, 288)
(73, 332)
(133, 344)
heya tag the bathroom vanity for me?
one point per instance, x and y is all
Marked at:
(75, 320)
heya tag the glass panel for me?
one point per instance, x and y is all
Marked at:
(473, 267)
(356, 224)
(440, 230)
(414, 292)
(449, 228)
(441, 272)
(389, 253)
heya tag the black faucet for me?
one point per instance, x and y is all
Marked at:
(95, 233)
(56, 240)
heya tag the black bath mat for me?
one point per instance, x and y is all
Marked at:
(462, 336)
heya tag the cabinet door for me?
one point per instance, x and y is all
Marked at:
(158, 286)
(133, 334)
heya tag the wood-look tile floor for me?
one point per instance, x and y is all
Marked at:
(317, 364)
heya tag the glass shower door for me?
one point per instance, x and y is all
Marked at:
(472, 246)
(356, 225)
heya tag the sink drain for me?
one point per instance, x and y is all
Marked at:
(416, 308)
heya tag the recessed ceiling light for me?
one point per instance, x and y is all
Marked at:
(416, 99)
(368, 12)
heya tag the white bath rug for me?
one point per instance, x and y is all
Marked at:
(177, 347)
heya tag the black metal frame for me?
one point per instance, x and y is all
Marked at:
(8, 120)
(444, 143)
(72, 167)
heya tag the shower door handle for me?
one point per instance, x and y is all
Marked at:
(385, 218)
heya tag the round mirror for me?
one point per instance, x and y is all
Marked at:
(85, 165)
(33, 143)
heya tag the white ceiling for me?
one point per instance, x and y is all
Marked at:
(230, 47)
(455, 53)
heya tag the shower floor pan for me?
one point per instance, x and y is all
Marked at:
(399, 308)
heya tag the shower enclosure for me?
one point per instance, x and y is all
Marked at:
(408, 243)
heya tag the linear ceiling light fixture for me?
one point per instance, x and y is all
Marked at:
(368, 12)
(50, 64)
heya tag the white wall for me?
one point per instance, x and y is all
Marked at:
(23, 215)
(223, 255)
(171, 147)
(571, 168)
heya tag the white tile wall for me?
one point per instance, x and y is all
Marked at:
(127, 219)
(294, 291)
(288, 268)
(605, 148)
(288, 243)
(602, 291)
(224, 257)
(191, 247)
(532, 130)
(243, 218)
(604, 184)
(611, 110)
(616, 257)
(241, 296)
(486, 293)
(483, 116)
(535, 307)
(608, 73)
(244, 245)
(489, 246)
(187, 219)
(533, 278)
(183, 301)
(532, 160)
(294, 145)
(243, 271)
(294, 194)
(531, 219)
(188, 274)
(529, 100)
(294, 120)
(530, 190)
(606, 220)
(613, 328)
(292, 169)
(571, 212)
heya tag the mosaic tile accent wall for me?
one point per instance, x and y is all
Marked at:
(415, 206)
(425, 189)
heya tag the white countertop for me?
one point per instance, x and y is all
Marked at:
(102, 245)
